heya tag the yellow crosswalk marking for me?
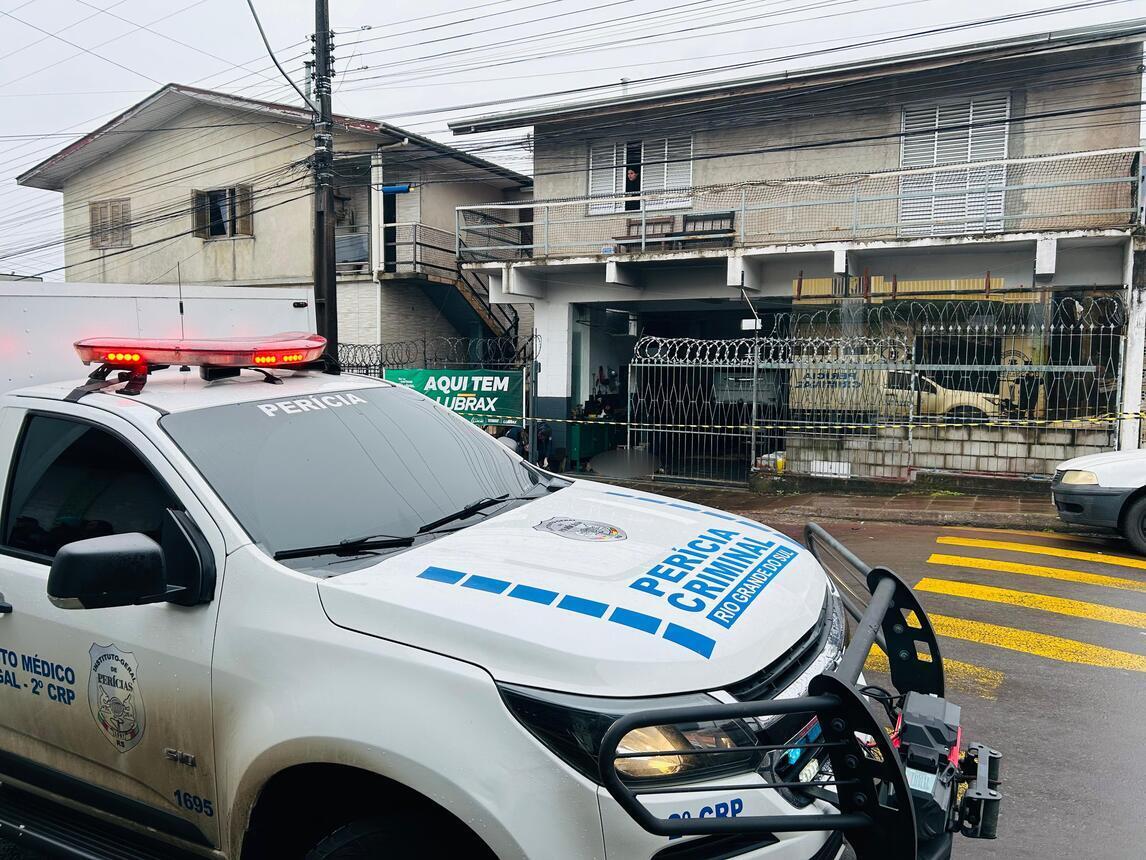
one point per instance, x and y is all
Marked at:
(1023, 533)
(1037, 549)
(1050, 535)
(964, 677)
(1029, 600)
(1037, 570)
(1039, 644)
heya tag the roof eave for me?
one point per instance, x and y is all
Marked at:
(52, 173)
(880, 67)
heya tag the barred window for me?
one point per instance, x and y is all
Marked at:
(110, 223)
(222, 212)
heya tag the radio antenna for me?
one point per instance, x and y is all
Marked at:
(179, 280)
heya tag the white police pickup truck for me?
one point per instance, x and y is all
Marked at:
(326, 618)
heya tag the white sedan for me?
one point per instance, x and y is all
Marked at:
(1104, 490)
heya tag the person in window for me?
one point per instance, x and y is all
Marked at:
(632, 188)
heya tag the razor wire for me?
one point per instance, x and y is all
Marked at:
(892, 379)
(440, 352)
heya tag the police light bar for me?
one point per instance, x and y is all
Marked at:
(277, 350)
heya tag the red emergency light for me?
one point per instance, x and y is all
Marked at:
(278, 350)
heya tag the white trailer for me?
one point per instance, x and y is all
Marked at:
(39, 322)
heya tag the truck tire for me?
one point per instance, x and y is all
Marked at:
(1134, 525)
(397, 839)
(965, 415)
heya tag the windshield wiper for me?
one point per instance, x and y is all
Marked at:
(468, 511)
(351, 546)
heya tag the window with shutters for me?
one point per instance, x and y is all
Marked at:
(651, 174)
(110, 225)
(222, 213)
(956, 201)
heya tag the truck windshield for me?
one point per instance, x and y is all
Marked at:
(318, 470)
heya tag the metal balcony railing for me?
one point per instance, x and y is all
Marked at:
(1072, 191)
(422, 251)
(352, 248)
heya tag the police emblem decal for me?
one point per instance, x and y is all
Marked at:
(114, 696)
(575, 529)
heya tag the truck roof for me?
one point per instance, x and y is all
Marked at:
(172, 390)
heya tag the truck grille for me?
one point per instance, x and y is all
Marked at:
(781, 672)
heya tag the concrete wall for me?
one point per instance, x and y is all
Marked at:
(1055, 82)
(889, 454)
(440, 199)
(160, 171)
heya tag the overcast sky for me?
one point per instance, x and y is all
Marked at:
(68, 65)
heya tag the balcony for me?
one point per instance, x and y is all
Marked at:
(1073, 191)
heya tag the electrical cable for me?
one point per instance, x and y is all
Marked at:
(171, 39)
(60, 38)
(275, 60)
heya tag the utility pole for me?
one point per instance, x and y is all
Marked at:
(325, 277)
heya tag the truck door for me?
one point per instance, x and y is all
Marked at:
(898, 393)
(109, 707)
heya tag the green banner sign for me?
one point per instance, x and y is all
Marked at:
(481, 396)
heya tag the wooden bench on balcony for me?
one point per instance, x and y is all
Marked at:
(656, 232)
(705, 230)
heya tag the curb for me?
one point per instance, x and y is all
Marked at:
(1034, 522)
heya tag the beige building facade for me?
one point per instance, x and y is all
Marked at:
(203, 187)
(969, 211)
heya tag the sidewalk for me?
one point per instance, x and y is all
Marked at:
(912, 508)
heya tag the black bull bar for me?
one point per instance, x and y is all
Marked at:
(868, 782)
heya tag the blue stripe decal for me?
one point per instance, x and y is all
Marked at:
(441, 574)
(684, 507)
(636, 620)
(622, 495)
(485, 583)
(533, 595)
(585, 607)
(690, 639)
(720, 516)
(698, 643)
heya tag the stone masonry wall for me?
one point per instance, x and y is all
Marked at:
(894, 454)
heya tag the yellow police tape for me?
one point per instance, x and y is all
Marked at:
(1015, 424)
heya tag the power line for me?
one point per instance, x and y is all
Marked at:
(33, 44)
(166, 238)
(665, 37)
(856, 139)
(171, 39)
(274, 59)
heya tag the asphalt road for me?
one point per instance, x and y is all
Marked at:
(1043, 639)
(1044, 643)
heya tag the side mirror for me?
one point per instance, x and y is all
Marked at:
(115, 570)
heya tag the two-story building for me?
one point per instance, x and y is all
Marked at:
(203, 187)
(918, 262)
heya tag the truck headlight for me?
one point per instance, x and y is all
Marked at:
(572, 727)
(1078, 476)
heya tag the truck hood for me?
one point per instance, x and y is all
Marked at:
(595, 590)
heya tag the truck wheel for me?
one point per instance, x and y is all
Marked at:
(373, 838)
(1134, 525)
(366, 838)
(965, 415)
